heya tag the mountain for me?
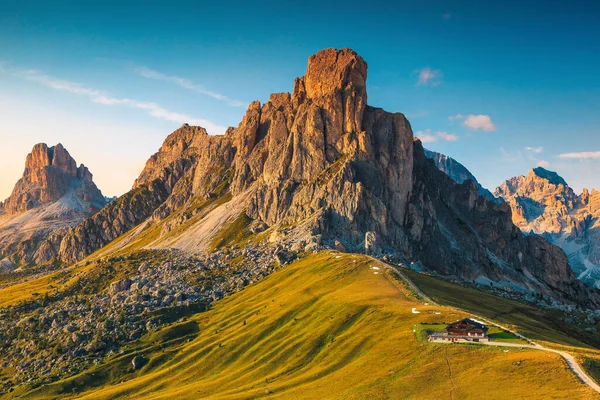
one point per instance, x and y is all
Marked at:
(544, 204)
(223, 247)
(458, 172)
(52, 195)
(321, 167)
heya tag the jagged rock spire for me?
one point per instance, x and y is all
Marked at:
(50, 173)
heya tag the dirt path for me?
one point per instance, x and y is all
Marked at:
(569, 359)
(410, 283)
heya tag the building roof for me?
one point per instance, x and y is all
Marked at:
(467, 323)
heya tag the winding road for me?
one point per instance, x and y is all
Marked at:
(569, 359)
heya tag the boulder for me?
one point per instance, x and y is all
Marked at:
(138, 362)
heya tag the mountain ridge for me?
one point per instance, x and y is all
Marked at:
(458, 172)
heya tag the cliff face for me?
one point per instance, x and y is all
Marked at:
(321, 162)
(322, 153)
(52, 195)
(544, 204)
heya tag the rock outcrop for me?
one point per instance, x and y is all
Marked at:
(542, 203)
(458, 172)
(321, 165)
(52, 195)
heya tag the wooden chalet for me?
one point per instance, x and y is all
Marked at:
(464, 330)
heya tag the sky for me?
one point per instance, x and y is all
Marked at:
(501, 87)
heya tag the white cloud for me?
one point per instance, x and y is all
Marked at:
(455, 117)
(427, 137)
(449, 137)
(101, 97)
(581, 155)
(543, 164)
(476, 122)
(187, 84)
(536, 150)
(429, 77)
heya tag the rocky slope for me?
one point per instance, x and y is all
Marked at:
(52, 195)
(321, 166)
(544, 204)
(458, 172)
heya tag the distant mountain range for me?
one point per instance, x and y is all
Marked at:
(542, 203)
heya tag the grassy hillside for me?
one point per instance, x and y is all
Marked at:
(327, 326)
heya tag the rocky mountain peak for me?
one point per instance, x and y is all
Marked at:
(541, 185)
(50, 173)
(331, 70)
(551, 176)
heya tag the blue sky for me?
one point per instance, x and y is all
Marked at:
(501, 87)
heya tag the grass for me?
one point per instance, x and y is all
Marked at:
(422, 331)
(592, 367)
(322, 327)
(539, 324)
(500, 335)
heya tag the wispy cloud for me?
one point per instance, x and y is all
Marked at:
(427, 137)
(187, 84)
(584, 155)
(543, 164)
(536, 150)
(447, 16)
(102, 97)
(429, 77)
(448, 137)
(477, 122)
(455, 117)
